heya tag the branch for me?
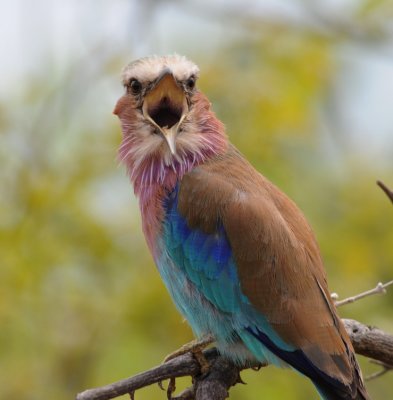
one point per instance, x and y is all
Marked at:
(387, 191)
(379, 289)
(180, 366)
(370, 341)
(367, 341)
(222, 375)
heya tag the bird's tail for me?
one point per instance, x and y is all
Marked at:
(332, 393)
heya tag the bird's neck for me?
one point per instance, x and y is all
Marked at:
(153, 178)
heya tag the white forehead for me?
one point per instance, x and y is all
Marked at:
(147, 69)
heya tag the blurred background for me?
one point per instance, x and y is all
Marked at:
(305, 90)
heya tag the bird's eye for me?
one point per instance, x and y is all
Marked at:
(135, 86)
(190, 83)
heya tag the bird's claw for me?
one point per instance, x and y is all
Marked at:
(202, 361)
(193, 347)
(170, 389)
(196, 348)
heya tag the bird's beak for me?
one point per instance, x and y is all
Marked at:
(165, 106)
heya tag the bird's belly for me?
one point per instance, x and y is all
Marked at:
(203, 317)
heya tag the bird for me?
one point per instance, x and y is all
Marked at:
(237, 256)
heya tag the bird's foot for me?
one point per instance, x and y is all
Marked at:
(170, 389)
(195, 347)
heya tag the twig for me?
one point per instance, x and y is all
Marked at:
(368, 341)
(377, 374)
(379, 289)
(385, 368)
(387, 191)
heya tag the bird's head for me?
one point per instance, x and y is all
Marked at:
(166, 121)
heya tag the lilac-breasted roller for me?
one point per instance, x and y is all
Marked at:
(237, 256)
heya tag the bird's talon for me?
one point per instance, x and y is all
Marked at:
(171, 388)
(203, 363)
(192, 347)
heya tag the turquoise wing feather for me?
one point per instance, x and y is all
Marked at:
(206, 259)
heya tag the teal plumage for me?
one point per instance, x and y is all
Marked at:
(236, 254)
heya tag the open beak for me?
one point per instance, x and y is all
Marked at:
(165, 106)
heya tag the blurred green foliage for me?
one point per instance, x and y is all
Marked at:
(81, 302)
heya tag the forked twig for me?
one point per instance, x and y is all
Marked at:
(379, 289)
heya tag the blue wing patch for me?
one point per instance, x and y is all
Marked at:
(205, 258)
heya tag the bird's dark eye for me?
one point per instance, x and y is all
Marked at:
(190, 83)
(135, 86)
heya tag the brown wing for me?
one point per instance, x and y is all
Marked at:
(278, 259)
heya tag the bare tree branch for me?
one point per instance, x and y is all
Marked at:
(222, 375)
(184, 365)
(367, 341)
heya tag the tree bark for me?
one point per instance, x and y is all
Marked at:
(370, 341)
